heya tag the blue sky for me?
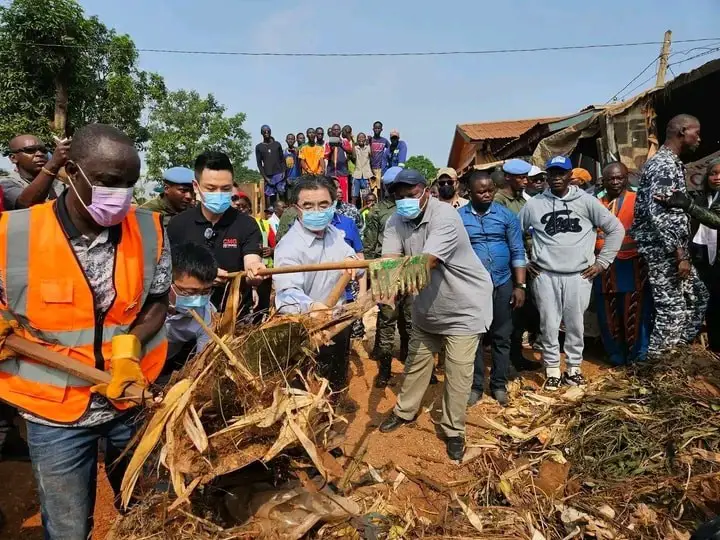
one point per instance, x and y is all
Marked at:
(424, 97)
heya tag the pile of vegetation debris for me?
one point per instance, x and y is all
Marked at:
(246, 444)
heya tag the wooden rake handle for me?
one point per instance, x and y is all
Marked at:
(338, 290)
(52, 359)
(348, 264)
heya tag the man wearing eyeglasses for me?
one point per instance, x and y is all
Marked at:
(447, 182)
(34, 179)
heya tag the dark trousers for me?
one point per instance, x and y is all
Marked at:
(500, 332)
(525, 318)
(333, 359)
(388, 317)
(712, 318)
(7, 415)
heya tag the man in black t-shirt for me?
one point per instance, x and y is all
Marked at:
(234, 238)
(271, 164)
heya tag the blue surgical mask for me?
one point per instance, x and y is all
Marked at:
(408, 208)
(217, 201)
(317, 220)
(194, 301)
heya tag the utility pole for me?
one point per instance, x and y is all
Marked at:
(664, 55)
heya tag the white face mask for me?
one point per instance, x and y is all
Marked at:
(108, 206)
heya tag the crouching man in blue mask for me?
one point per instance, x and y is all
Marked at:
(452, 312)
(193, 271)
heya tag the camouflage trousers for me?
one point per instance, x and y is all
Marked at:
(358, 328)
(388, 317)
(679, 303)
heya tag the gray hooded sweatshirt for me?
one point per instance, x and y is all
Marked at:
(564, 231)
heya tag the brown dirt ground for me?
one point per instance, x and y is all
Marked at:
(416, 448)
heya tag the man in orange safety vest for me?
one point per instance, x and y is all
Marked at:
(86, 276)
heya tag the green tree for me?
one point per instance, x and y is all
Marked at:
(61, 70)
(424, 165)
(245, 175)
(184, 125)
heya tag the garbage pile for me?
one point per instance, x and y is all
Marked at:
(242, 442)
(251, 397)
(635, 454)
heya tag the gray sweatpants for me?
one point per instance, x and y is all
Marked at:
(561, 298)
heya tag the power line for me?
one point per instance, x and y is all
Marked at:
(374, 54)
(652, 62)
(710, 51)
(640, 85)
(629, 92)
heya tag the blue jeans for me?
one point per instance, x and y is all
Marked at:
(64, 462)
(500, 332)
(359, 184)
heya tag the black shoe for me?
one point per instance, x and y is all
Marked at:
(392, 422)
(574, 380)
(455, 448)
(526, 365)
(501, 397)
(552, 384)
(381, 381)
(433, 379)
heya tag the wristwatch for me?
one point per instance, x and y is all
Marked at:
(520, 286)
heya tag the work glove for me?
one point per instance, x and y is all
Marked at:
(6, 328)
(678, 199)
(124, 367)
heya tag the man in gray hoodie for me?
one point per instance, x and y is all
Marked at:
(564, 221)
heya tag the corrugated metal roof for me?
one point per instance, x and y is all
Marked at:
(507, 129)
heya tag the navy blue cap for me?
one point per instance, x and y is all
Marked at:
(389, 176)
(179, 175)
(561, 162)
(516, 166)
(411, 177)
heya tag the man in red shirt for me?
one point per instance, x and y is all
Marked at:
(337, 153)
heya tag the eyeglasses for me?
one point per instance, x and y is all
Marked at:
(446, 182)
(183, 292)
(235, 198)
(32, 149)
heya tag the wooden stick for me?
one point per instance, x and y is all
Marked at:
(339, 289)
(52, 359)
(347, 264)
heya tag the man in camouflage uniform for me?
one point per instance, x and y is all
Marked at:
(663, 234)
(388, 315)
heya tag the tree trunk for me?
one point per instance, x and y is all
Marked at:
(61, 107)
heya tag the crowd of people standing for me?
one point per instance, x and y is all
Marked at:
(357, 162)
(520, 252)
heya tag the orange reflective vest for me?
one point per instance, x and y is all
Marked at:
(46, 291)
(623, 207)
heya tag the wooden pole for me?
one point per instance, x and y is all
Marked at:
(664, 56)
(52, 359)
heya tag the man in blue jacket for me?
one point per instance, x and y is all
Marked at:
(497, 240)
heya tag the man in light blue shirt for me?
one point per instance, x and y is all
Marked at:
(497, 240)
(313, 239)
